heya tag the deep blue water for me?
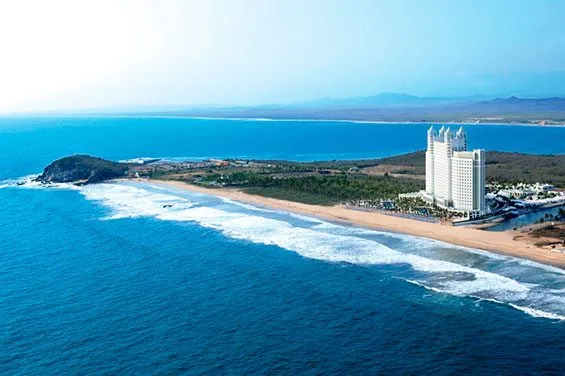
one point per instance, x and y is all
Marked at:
(28, 144)
(105, 280)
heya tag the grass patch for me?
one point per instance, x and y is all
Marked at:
(290, 195)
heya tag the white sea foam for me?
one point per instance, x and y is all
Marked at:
(27, 179)
(533, 264)
(414, 242)
(434, 289)
(538, 313)
(306, 218)
(528, 310)
(421, 242)
(328, 242)
(158, 187)
(140, 160)
(127, 201)
(342, 246)
(245, 206)
(263, 210)
(28, 182)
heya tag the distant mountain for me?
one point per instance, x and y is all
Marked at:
(391, 99)
(390, 107)
(546, 103)
(403, 107)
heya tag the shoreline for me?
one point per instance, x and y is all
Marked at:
(358, 121)
(496, 242)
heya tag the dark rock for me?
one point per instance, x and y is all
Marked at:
(82, 169)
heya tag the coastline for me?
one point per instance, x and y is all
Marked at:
(497, 242)
(358, 121)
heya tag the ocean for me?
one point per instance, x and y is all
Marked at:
(137, 278)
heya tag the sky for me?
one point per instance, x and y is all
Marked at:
(58, 55)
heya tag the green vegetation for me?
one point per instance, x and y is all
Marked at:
(325, 182)
(320, 165)
(289, 195)
(331, 182)
(319, 189)
(82, 168)
(501, 167)
(417, 159)
(526, 168)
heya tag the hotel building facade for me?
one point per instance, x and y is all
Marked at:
(455, 177)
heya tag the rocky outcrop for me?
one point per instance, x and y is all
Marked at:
(82, 169)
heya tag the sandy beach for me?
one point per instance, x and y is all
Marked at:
(497, 242)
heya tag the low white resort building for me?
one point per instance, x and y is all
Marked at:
(455, 177)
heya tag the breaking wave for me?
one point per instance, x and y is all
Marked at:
(334, 243)
(28, 182)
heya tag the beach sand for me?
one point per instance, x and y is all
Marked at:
(493, 241)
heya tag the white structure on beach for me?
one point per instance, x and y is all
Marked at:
(455, 177)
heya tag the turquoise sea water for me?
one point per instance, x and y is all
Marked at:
(111, 279)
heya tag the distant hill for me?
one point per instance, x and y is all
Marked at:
(391, 99)
(405, 108)
(388, 107)
(515, 103)
(500, 166)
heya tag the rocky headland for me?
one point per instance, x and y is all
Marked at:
(82, 169)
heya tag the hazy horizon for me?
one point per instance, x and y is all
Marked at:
(339, 102)
(65, 55)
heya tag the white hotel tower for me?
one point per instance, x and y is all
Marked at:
(455, 177)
